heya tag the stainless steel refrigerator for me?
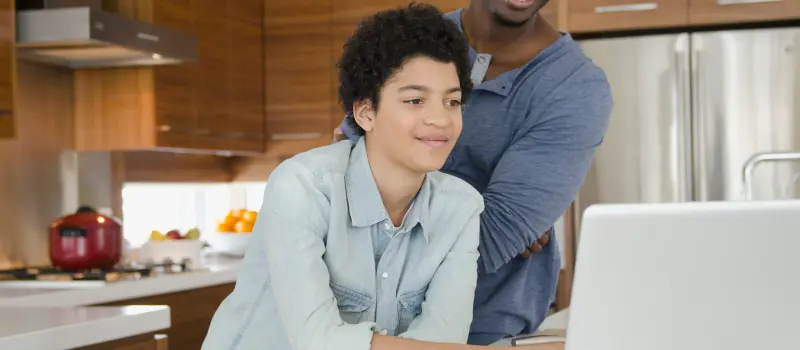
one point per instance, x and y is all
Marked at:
(692, 110)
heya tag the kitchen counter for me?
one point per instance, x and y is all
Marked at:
(68, 328)
(218, 270)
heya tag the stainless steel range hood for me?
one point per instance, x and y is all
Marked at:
(86, 37)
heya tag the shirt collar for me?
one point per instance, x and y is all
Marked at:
(364, 200)
(503, 85)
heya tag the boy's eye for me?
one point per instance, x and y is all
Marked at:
(454, 103)
(414, 101)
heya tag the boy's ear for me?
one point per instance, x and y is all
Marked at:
(364, 115)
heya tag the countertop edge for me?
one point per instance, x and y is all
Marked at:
(125, 290)
(132, 321)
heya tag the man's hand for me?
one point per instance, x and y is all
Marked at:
(338, 135)
(537, 245)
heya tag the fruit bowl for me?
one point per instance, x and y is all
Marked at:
(228, 243)
(176, 251)
(173, 246)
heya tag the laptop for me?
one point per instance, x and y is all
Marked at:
(687, 276)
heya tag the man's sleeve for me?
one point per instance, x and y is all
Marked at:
(540, 173)
(347, 130)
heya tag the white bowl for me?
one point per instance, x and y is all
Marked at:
(176, 250)
(229, 243)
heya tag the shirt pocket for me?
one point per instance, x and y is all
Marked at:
(352, 305)
(409, 306)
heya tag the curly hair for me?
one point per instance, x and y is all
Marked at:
(385, 41)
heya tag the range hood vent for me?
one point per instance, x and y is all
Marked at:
(87, 37)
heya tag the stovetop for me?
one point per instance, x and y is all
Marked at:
(131, 272)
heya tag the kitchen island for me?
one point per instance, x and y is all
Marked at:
(81, 327)
(192, 297)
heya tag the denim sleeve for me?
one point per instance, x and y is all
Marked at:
(293, 220)
(347, 130)
(447, 310)
(540, 173)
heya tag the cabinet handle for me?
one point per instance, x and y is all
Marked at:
(5, 112)
(645, 6)
(164, 128)
(295, 136)
(742, 2)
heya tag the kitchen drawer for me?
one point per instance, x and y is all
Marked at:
(607, 15)
(741, 11)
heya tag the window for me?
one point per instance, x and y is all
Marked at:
(165, 206)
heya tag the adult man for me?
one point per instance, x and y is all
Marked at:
(539, 110)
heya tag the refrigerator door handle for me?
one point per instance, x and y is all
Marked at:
(750, 166)
(682, 162)
(698, 121)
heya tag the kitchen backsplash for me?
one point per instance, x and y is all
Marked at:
(39, 174)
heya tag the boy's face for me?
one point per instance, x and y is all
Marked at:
(418, 119)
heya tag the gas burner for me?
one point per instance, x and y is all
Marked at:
(56, 274)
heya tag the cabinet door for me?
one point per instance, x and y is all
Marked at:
(246, 71)
(174, 85)
(607, 15)
(298, 70)
(734, 11)
(211, 84)
(7, 70)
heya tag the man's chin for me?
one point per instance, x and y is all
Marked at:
(512, 21)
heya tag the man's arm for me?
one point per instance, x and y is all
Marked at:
(540, 173)
(447, 310)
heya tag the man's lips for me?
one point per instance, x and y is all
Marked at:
(520, 4)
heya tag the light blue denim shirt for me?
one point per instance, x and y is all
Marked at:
(310, 281)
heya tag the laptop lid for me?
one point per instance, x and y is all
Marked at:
(688, 276)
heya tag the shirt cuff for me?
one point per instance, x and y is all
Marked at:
(352, 336)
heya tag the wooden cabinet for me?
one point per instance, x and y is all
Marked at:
(144, 342)
(733, 11)
(7, 68)
(215, 104)
(298, 68)
(190, 311)
(607, 15)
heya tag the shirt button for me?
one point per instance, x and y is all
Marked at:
(385, 275)
(481, 59)
(387, 226)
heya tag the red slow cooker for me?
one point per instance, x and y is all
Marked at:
(85, 240)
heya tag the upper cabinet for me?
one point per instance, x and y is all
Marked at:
(735, 11)
(605, 15)
(298, 68)
(215, 104)
(7, 68)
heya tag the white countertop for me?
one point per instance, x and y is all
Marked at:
(219, 270)
(67, 328)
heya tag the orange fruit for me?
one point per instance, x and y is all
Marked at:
(223, 227)
(250, 216)
(243, 227)
(230, 220)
